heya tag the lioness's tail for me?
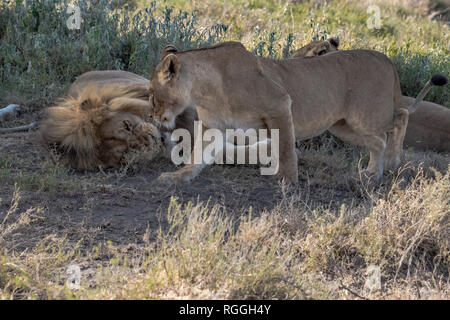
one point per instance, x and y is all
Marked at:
(436, 80)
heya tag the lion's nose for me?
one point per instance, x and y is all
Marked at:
(157, 118)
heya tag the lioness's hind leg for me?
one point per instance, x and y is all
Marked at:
(395, 139)
(375, 143)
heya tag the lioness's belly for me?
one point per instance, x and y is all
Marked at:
(306, 124)
(310, 124)
(222, 120)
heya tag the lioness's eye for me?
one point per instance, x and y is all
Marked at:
(153, 102)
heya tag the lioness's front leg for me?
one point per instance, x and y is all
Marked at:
(395, 139)
(288, 157)
(191, 170)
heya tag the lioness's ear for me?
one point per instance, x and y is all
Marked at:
(167, 50)
(334, 42)
(169, 68)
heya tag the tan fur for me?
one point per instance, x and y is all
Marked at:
(100, 120)
(233, 88)
(317, 48)
(109, 79)
(428, 127)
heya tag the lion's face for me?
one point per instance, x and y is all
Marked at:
(317, 48)
(120, 132)
(168, 95)
(99, 127)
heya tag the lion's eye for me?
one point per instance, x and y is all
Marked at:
(127, 125)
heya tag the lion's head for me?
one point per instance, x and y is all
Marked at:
(317, 48)
(98, 127)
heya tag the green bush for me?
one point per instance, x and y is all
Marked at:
(38, 52)
(40, 55)
(416, 69)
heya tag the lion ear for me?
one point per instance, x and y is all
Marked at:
(167, 50)
(334, 42)
(170, 67)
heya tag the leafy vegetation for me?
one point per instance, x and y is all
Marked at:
(40, 55)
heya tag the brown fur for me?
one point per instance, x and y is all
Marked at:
(109, 79)
(428, 127)
(317, 48)
(99, 122)
(233, 88)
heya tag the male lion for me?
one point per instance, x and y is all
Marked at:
(428, 127)
(104, 114)
(353, 94)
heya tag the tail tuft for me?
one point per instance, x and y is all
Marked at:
(439, 80)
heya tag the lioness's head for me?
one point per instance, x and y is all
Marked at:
(98, 128)
(317, 48)
(168, 95)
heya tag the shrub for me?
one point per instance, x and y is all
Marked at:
(38, 52)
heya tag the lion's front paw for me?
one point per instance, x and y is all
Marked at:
(169, 178)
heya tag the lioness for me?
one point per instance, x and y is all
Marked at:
(354, 94)
(317, 48)
(428, 127)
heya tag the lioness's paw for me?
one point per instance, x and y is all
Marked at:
(170, 178)
(371, 175)
(289, 180)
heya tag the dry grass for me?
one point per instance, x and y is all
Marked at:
(290, 252)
